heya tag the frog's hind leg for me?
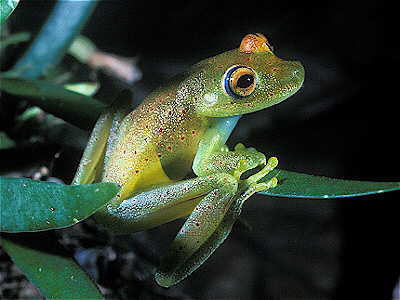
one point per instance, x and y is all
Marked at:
(90, 166)
(100, 145)
(168, 202)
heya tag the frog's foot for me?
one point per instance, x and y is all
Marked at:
(251, 185)
(251, 155)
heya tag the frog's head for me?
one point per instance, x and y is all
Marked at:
(247, 79)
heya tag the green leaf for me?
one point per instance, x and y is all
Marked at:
(82, 48)
(298, 185)
(31, 205)
(14, 39)
(83, 88)
(5, 141)
(77, 109)
(6, 8)
(49, 266)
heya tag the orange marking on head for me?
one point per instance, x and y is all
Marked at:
(253, 43)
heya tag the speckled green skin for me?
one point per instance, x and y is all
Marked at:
(181, 128)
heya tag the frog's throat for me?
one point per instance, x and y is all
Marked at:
(224, 125)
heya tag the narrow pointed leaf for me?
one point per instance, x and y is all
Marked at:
(13, 39)
(298, 185)
(77, 109)
(5, 141)
(31, 205)
(6, 8)
(83, 88)
(49, 266)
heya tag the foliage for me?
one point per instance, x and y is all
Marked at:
(6, 8)
(298, 185)
(31, 205)
(56, 99)
(49, 266)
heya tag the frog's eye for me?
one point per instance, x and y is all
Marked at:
(240, 81)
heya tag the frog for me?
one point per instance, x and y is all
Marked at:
(170, 159)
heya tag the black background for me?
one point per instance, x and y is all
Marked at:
(343, 123)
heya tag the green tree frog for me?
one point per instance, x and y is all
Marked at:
(170, 159)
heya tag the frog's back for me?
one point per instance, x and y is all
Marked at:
(156, 142)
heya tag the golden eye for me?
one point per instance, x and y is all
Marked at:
(240, 81)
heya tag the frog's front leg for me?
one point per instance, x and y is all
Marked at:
(213, 156)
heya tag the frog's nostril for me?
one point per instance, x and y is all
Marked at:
(297, 71)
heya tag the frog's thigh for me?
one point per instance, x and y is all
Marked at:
(204, 230)
(202, 195)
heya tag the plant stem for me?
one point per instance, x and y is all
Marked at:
(64, 23)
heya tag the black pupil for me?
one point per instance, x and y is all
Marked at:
(245, 81)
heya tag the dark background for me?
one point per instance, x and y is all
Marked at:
(343, 123)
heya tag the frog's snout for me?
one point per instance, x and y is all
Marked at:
(298, 70)
(284, 79)
(296, 74)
